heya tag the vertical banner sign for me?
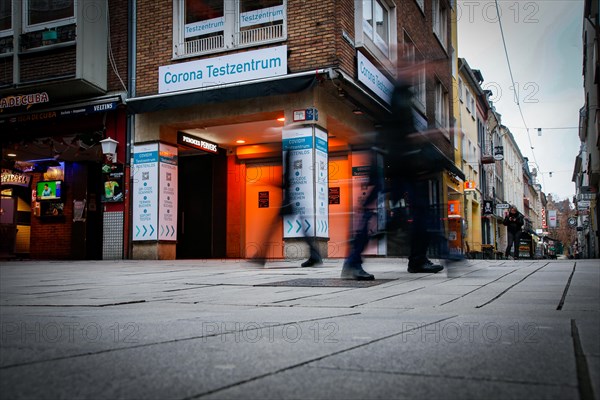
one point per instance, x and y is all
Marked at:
(552, 218)
(321, 184)
(298, 143)
(145, 192)
(167, 213)
(308, 160)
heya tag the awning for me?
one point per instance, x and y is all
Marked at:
(292, 83)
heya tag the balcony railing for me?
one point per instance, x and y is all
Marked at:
(200, 46)
(257, 35)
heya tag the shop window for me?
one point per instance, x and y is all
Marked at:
(47, 14)
(207, 26)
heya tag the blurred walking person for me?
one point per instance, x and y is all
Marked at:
(409, 158)
(287, 208)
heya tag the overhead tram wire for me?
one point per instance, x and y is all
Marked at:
(513, 83)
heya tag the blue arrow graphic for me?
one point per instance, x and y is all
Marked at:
(145, 230)
(173, 230)
(152, 232)
(162, 230)
(291, 226)
(308, 227)
(138, 231)
(299, 226)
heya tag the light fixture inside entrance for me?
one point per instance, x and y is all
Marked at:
(240, 141)
(358, 111)
(281, 119)
(11, 155)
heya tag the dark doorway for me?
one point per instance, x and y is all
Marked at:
(202, 199)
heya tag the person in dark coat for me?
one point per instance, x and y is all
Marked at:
(514, 222)
(287, 208)
(408, 158)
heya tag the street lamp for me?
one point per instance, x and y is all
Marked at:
(109, 149)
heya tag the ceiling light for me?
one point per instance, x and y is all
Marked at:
(240, 141)
(358, 112)
(281, 119)
(11, 155)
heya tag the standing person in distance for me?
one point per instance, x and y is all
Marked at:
(514, 222)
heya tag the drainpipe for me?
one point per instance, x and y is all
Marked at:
(131, 82)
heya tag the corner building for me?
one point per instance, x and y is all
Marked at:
(224, 87)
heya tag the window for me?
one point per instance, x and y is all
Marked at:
(460, 89)
(419, 79)
(468, 101)
(421, 4)
(44, 14)
(204, 26)
(260, 20)
(377, 22)
(441, 107)
(5, 17)
(440, 22)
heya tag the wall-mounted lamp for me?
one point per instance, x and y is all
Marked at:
(109, 149)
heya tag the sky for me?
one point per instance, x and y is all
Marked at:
(545, 50)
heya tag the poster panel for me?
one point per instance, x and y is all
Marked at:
(145, 192)
(167, 213)
(298, 142)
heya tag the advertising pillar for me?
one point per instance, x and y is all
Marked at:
(307, 149)
(154, 211)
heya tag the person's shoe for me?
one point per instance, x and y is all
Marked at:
(311, 262)
(258, 261)
(355, 271)
(427, 267)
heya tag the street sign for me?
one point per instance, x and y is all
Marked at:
(583, 204)
(503, 206)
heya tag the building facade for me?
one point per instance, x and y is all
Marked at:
(64, 73)
(223, 88)
(586, 174)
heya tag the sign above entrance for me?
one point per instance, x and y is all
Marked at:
(197, 143)
(372, 78)
(238, 67)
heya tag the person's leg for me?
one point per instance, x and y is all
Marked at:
(315, 256)
(517, 236)
(352, 268)
(510, 240)
(420, 237)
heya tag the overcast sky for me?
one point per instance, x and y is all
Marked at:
(544, 44)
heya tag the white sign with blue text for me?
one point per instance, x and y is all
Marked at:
(308, 186)
(239, 67)
(167, 213)
(298, 142)
(372, 78)
(321, 184)
(145, 192)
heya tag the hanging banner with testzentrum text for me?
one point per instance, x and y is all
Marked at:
(232, 68)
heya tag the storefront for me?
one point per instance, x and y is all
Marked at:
(58, 203)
